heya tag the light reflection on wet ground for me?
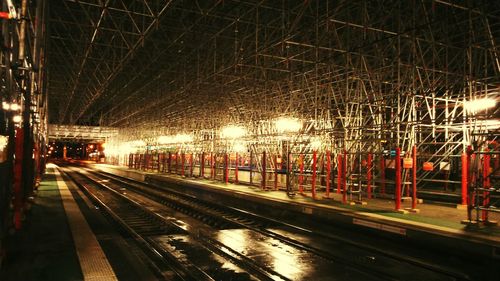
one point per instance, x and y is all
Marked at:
(188, 251)
(290, 262)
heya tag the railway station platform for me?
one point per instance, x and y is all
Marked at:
(59, 241)
(434, 224)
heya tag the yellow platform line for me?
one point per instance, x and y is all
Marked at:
(93, 261)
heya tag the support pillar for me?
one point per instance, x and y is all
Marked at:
(236, 164)
(263, 180)
(313, 184)
(328, 173)
(369, 176)
(397, 196)
(414, 179)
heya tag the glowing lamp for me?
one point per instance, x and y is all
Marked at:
(165, 139)
(183, 138)
(14, 106)
(233, 132)
(17, 119)
(287, 124)
(479, 104)
(5, 106)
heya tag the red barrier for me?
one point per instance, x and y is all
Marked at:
(397, 187)
(313, 184)
(328, 172)
(369, 176)
(263, 175)
(414, 183)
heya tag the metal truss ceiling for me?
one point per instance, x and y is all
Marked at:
(198, 64)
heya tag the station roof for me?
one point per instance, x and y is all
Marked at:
(197, 63)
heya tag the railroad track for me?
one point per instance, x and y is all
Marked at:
(223, 217)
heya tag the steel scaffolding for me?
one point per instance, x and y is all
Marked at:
(367, 78)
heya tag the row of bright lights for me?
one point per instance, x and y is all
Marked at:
(282, 125)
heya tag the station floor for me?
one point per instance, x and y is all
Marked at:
(55, 242)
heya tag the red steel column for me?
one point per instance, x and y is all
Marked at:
(328, 172)
(183, 163)
(212, 165)
(191, 160)
(486, 184)
(18, 178)
(339, 173)
(313, 184)
(398, 179)
(275, 172)
(202, 165)
(263, 180)
(236, 168)
(464, 178)
(301, 176)
(344, 178)
(226, 168)
(382, 174)
(414, 183)
(169, 162)
(369, 176)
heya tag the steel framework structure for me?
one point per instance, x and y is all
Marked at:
(367, 77)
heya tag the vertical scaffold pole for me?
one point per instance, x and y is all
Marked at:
(397, 187)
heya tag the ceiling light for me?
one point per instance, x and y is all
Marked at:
(233, 132)
(288, 124)
(479, 104)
